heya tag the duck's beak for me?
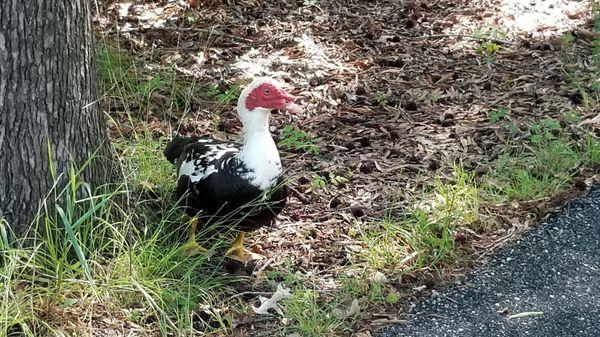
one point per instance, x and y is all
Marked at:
(290, 106)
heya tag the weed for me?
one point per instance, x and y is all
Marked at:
(512, 129)
(488, 49)
(319, 182)
(284, 275)
(337, 180)
(583, 82)
(497, 114)
(545, 130)
(596, 42)
(146, 88)
(381, 99)
(368, 289)
(113, 67)
(567, 40)
(595, 85)
(392, 298)
(572, 117)
(486, 44)
(433, 96)
(292, 138)
(310, 2)
(230, 94)
(491, 33)
(375, 292)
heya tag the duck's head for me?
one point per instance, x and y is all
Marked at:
(259, 98)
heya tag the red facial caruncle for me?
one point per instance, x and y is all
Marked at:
(269, 96)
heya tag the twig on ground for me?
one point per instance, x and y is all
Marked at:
(595, 120)
(246, 293)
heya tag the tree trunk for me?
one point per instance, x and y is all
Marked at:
(48, 98)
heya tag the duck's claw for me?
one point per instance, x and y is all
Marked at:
(192, 248)
(239, 253)
(242, 255)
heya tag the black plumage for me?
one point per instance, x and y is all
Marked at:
(219, 191)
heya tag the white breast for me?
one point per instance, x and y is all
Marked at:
(261, 157)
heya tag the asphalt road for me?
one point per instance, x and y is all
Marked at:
(551, 276)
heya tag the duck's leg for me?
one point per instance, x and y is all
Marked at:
(192, 247)
(239, 253)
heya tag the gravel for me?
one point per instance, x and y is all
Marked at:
(551, 276)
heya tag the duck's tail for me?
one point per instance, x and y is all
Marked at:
(176, 146)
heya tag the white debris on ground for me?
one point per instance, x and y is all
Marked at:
(271, 303)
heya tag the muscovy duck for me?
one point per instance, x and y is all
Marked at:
(234, 184)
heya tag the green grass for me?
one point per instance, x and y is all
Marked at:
(583, 82)
(313, 317)
(591, 151)
(543, 167)
(98, 257)
(456, 201)
(425, 236)
(385, 245)
(143, 160)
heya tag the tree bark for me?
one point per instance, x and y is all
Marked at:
(48, 98)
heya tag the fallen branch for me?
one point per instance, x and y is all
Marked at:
(299, 195)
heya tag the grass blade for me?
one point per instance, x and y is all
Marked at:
(75, 243)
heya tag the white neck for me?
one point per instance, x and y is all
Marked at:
(258, 153)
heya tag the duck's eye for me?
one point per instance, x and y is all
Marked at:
(267, 91)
